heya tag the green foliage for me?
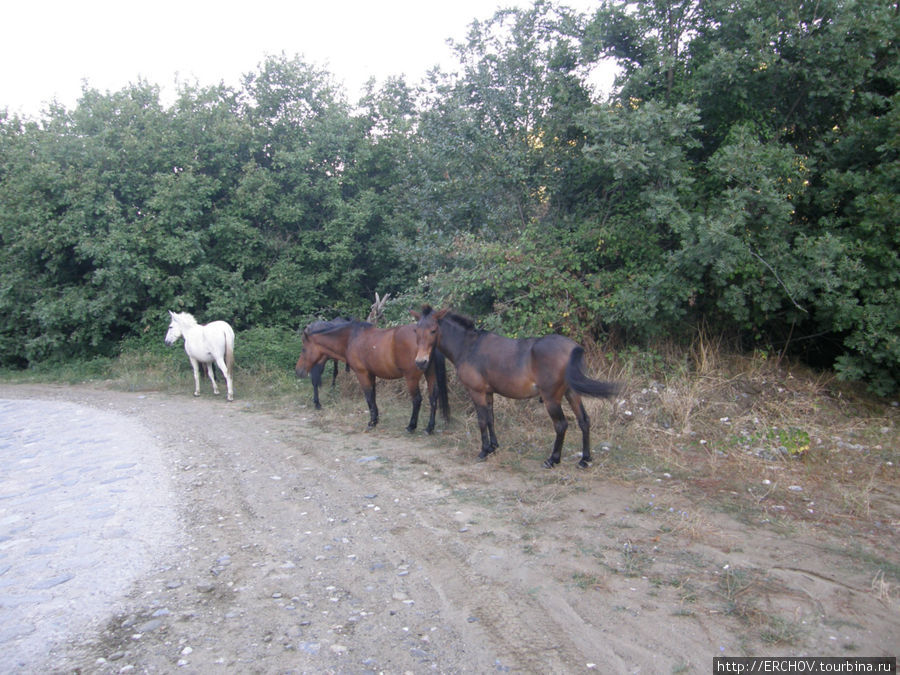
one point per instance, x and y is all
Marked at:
(267, 348)
(774, 219)
(742, 174)
(629, 242)
(528, 285)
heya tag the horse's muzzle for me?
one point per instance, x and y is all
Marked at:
(300, 371)
(421, 364)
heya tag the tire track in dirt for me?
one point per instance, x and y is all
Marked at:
(304, 550)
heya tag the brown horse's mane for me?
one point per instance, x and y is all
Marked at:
(318, 327)
(459, 319)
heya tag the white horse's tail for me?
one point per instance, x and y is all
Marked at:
(229, 351)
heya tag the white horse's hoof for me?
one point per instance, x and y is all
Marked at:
(197, 394)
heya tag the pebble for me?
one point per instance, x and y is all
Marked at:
(151, 625)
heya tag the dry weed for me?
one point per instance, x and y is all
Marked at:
(740, 430)
(884, 590)
(692, 525)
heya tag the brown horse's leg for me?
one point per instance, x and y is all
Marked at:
(367, 382)
(412, 386)
(584, 423)
(484, 409)
(554, 409)
(431, 381)
(315, 376)
(490, 421)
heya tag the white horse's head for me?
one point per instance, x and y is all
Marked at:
(179, 322)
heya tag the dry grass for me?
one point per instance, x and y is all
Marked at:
(721, 423)
(883, 590)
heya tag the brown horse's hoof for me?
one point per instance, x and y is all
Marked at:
(549, 463)
(584, 464)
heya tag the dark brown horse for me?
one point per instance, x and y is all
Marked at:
(550, 367)
(388, 353)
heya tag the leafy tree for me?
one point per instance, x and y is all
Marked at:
(493, 140)
(793, 105)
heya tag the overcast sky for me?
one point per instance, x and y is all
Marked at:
(48, 48)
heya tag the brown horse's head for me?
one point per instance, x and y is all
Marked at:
(427, 333)
(311, 355)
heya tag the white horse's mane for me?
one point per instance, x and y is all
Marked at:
(184, 318)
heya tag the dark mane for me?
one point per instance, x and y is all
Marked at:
(317, 327)
(461, 321)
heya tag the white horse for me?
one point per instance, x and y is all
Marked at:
(207, 344)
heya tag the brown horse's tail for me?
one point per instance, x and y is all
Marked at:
(440, 371)
(581, 383)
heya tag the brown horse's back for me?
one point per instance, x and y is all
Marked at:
(387, 353)
(513, 368)
(550, 356)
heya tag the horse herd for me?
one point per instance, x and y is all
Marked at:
(551, 366)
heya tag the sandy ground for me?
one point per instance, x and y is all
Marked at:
(299, 550)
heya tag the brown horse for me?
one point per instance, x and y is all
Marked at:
(388, 353)
(550, 367)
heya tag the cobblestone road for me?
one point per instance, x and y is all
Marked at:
(84, 503)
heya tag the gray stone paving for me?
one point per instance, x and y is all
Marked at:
(85, 502)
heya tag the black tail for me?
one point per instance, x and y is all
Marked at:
(440, 370)
(581, 383)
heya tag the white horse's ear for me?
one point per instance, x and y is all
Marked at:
(171, 314)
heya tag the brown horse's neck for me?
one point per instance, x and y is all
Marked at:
(453, 338)
(333, 342)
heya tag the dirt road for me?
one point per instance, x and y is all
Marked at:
(299, 550)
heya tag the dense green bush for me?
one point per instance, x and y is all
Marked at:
(743, 175)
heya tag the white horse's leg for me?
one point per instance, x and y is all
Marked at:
(211, 371)
(227, 373)
(196, 366)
